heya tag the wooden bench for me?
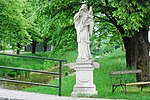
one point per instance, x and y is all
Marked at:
(120, 78)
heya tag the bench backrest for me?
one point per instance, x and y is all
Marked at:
(125, 72)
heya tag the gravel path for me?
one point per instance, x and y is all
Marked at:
(19, 95)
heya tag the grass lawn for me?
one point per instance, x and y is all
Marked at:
(110, 62)
(23, 62)
(36, 64)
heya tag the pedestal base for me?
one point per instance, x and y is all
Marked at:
(84, 79)
(84, 91)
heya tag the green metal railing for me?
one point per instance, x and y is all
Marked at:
(59, 73)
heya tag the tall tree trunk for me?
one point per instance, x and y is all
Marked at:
(137, 53)
(45, 44)
(25, 48)
(18, 48)
(34, 46)
(130, 46)
(142, 59)
(145, 36)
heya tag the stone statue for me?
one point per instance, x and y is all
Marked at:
(84, 24)
(84, 65)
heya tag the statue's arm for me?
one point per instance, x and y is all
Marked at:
(76, 16)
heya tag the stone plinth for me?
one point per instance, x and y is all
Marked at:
(84, 79)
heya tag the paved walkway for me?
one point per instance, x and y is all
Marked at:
(19, 95)
(12, 52)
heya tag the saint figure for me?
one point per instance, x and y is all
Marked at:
(84, 26)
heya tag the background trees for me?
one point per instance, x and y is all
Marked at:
(33, 16)
(13, 25)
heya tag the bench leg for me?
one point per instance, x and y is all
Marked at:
(122, 87)
(113, 88)
(125, 89)
(142, 87)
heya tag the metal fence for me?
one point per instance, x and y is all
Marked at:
(59, 73)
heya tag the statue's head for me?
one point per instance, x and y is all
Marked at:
(84, 7)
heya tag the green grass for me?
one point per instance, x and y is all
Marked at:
(23, 62)
(110, 62)
(18, 62)
(67, 82)
(37, 64)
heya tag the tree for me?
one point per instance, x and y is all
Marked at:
(59, 24)
(12, 24)
(33, 15)
(129, 17)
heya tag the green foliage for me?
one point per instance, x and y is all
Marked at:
(131, 15)
(47, 20)
(105, 38)
(110, 17)
(57, 25)
(13, 25)
(53, 20)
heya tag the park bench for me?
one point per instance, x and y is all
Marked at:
(126, 78)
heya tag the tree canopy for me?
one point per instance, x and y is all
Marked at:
(13, 25)
(51, 22)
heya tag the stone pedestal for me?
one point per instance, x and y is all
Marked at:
(84, 79)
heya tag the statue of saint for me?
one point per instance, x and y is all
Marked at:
(84, 24)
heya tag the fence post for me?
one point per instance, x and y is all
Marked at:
(60, 77)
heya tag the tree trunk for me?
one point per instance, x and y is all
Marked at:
(34, 46)
(45, 44)
(25, 48)
(142, 59)
(130, 47)
(137, 53)
(18, 48)
(145, 36)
